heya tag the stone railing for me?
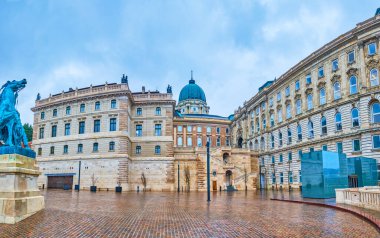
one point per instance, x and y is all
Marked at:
(367, 197)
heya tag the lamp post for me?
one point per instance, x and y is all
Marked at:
(178, 178)
(208, 171)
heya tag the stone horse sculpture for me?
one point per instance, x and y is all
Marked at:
(11, 130)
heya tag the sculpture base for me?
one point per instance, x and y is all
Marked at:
(19, 193)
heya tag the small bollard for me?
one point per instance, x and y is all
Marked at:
(220, 188)
(138, 188)
(43, 186)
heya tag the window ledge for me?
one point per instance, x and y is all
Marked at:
(351, 63)
(279, 163)
(356, 153)
(376, 150)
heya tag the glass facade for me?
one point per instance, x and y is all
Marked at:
(322, 173)
(364, 169)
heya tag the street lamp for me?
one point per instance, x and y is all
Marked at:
(208, 171)
(178, 178)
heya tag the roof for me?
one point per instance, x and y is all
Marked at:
(208, 116)
(192, 91)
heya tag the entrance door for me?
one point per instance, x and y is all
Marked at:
(228, 177)
(214, 187)
(353, 181)
(60, 182)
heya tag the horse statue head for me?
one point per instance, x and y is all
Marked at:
(15, 85)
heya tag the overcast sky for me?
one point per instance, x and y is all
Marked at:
(232, 46)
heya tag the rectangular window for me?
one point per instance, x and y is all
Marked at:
(157, 130)
(96, 126)
(300, 154)
(263, 106)
(138, 150)
(189, 141)
(334, 65)
(82, 126)
(179, 141)
(199, 129)
(113, 124)
(273, 160)
(113, 104)
(290, 155)
(157, 150)
(271, 101)
(68, 110)
(95, 147)
(80, 148)
(290, 176)
(281, 159)
(42, 115)
(321, 72)
(372, 48)
(356, 145)
(65, 149)
(138, 130)
(308, 79)
(311, 149)
(257, 111)
(339, 147)
(208, 130)
(54, 131)
(273, 178)
(287, 91)
(376, 141)
(281, 177)
(52, 150)
(42, 132)
(189, 129)
(139, 111)
(97, 106)
(324, 147)
(227, 141)
(67, 129)
(55, 112)
(218, 130)
(297, 85)
(179, 129)
(351, 57)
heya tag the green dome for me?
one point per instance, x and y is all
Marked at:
(192, 91)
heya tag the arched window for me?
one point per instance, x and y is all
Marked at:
(288, 111)
(252, 127)
(353, 85)
(271, 120)
(322, 96)
(256, 144)
(158, 111)
(113, 103)
(289, 136)
(262, 142)
(375, 111)
(338, 121)
(179, 141)
(355, 117)
(337, 94)
(279, 114)
(374, 77)
(280, 138)
(310, 126)
(55, 112)
(264, 123)
(272, 140)
(299, 132)
(157, 149)
(298, 106)
(309, 101)
(257, 125)
(111, 146)
(323, 125)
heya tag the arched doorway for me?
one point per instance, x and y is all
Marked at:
(240, 142)
(228, 177)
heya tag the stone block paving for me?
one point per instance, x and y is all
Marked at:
(154, 214)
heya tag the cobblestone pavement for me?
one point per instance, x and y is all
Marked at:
(236, 214)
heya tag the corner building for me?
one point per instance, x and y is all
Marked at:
(328, 101)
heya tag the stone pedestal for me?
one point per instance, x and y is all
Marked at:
(19, 193)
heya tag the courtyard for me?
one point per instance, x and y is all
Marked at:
(158, 214)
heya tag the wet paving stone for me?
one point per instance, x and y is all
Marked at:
(131, 214)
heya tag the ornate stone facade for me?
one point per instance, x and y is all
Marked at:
(328, 101)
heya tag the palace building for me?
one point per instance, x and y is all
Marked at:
(106, 135)
(328, 101)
